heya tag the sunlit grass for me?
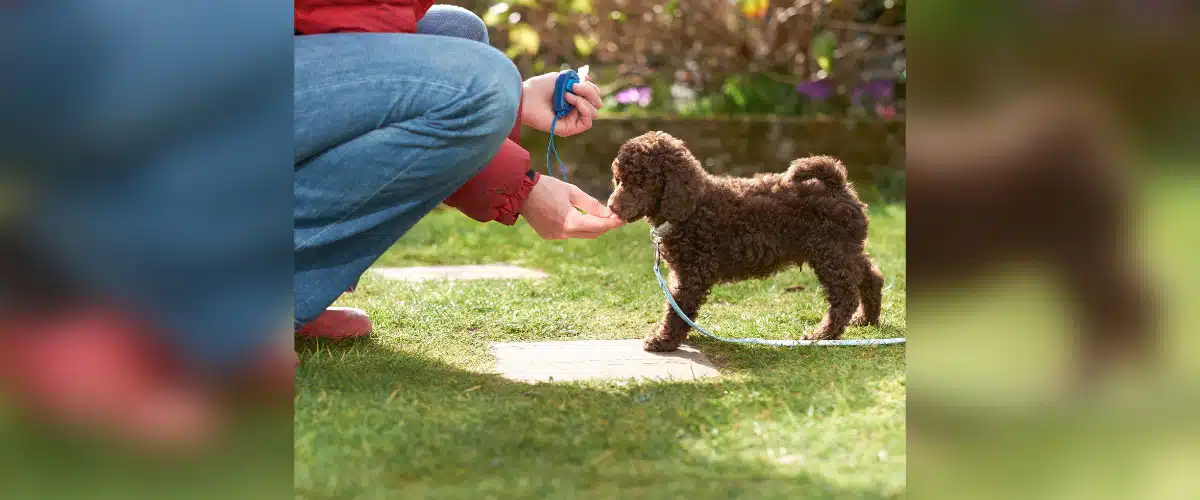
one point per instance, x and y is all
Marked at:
(413, 413)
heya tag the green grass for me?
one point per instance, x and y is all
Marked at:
(414, 413)
(987, 409)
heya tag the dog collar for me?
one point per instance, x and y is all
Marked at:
(661, 230)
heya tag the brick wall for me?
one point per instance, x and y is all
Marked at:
(737, 146)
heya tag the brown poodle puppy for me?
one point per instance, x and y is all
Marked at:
(721, 229)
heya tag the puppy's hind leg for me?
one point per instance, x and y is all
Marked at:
(870, 292)
(690, 292)
(840, 277)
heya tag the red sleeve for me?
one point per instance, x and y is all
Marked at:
(423, 7)
(499, 190)
(313, 17)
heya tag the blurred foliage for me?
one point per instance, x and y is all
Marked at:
(703, 57)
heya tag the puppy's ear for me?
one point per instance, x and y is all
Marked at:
(683, 184)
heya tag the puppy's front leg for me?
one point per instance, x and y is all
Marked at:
(690, 292)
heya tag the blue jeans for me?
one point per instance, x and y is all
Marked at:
(159, 150)
(386, 127)
(454, 21)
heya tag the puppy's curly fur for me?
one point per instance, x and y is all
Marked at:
(726, 229)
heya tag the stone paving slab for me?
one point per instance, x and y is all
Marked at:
(459, 273)
(597, 359)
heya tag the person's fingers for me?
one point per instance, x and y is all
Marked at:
(587, 113)
(590, 205)
(589, 226)
(572, 99)
(588, 91)
(588, 234)
(572, 121)
(584, 107)
(582, 115)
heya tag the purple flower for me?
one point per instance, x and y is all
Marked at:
(878, 89)
(634, 95)
(817, 90)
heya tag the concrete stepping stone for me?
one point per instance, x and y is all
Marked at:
(597, 359)
(459, 273)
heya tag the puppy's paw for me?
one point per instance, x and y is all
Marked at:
(821, 334)
(660, 344)
(860, 319)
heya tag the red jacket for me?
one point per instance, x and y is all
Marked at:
(499, 190)
(361, 16)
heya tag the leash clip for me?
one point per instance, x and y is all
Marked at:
(565, 82)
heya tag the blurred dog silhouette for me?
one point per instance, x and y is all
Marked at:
(1041, 181)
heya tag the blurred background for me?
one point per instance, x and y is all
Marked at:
(1053, 196)
(143, 147)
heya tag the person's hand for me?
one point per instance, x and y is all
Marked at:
(551, 210)
(537, 110)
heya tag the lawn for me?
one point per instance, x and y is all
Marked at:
(414, 413)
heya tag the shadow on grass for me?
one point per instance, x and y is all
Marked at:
(374, 421)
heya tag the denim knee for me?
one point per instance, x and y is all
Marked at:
(506, 91)
(451, 20)
(494, 96)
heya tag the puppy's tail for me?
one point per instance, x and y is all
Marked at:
(827, 169)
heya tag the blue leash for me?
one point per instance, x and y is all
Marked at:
(566, 81)
(771, 342)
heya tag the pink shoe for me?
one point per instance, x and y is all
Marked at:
(96, 369)
(338, 323)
